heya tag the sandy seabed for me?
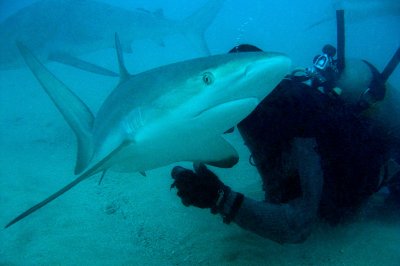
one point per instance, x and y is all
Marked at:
(130, 219)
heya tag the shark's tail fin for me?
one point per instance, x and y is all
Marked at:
(195, 25)
(75, 112)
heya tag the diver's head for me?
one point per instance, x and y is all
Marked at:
(361, 84)
(324, 68)
(325, 61)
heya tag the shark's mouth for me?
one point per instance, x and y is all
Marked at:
(206, 110)
(235, 108)
(210, 109)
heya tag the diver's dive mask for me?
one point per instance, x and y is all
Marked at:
(321, 62)
(325, 60)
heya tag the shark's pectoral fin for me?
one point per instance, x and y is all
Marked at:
(75, 62)
(214, 149)
(218, 152)
(84, 152)
(76, 113)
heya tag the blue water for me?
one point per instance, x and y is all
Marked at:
(136, 220)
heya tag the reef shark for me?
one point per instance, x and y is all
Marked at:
(358, 10)
(173, 113)
(61, 30)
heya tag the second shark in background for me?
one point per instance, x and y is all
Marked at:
(358, 10)
(62, 30)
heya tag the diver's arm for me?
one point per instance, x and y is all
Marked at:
(291, 222)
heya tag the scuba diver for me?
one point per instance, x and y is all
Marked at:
(323, 141)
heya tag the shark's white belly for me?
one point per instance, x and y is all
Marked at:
(173, 140)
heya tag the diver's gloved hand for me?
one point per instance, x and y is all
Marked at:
(201, 188)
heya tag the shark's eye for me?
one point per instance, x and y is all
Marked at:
(208, 78)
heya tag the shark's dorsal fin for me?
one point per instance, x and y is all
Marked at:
(74, 110)
(124, 75)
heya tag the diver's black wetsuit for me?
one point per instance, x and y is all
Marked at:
(339, 158)
(321, 151)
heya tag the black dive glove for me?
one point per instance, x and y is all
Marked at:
(203, 189)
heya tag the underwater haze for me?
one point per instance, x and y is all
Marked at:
(131, 219)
